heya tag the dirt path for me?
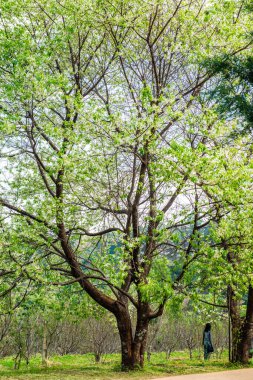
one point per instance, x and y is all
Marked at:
(239, 374)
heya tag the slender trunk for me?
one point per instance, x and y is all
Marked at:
(17, 360)
(168, 353)
(97, 357)
(149, 354)
(44, 346)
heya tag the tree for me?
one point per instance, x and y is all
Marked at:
(99, 142)
(226, 267)
(232, 93)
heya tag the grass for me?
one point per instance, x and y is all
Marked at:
(83, 367)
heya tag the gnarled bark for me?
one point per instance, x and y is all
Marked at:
(242, 328)
(132, 346)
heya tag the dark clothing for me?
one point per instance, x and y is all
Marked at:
(208, 347)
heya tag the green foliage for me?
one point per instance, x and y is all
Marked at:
(116, 162)
(233, 91)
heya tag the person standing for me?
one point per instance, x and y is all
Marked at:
(207, 342)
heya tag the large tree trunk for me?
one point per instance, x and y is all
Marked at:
(126, 339)
(246, 332)
(140, 340)
(132, 348)
(241, 327)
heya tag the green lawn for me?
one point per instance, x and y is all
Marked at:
(83, 367)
